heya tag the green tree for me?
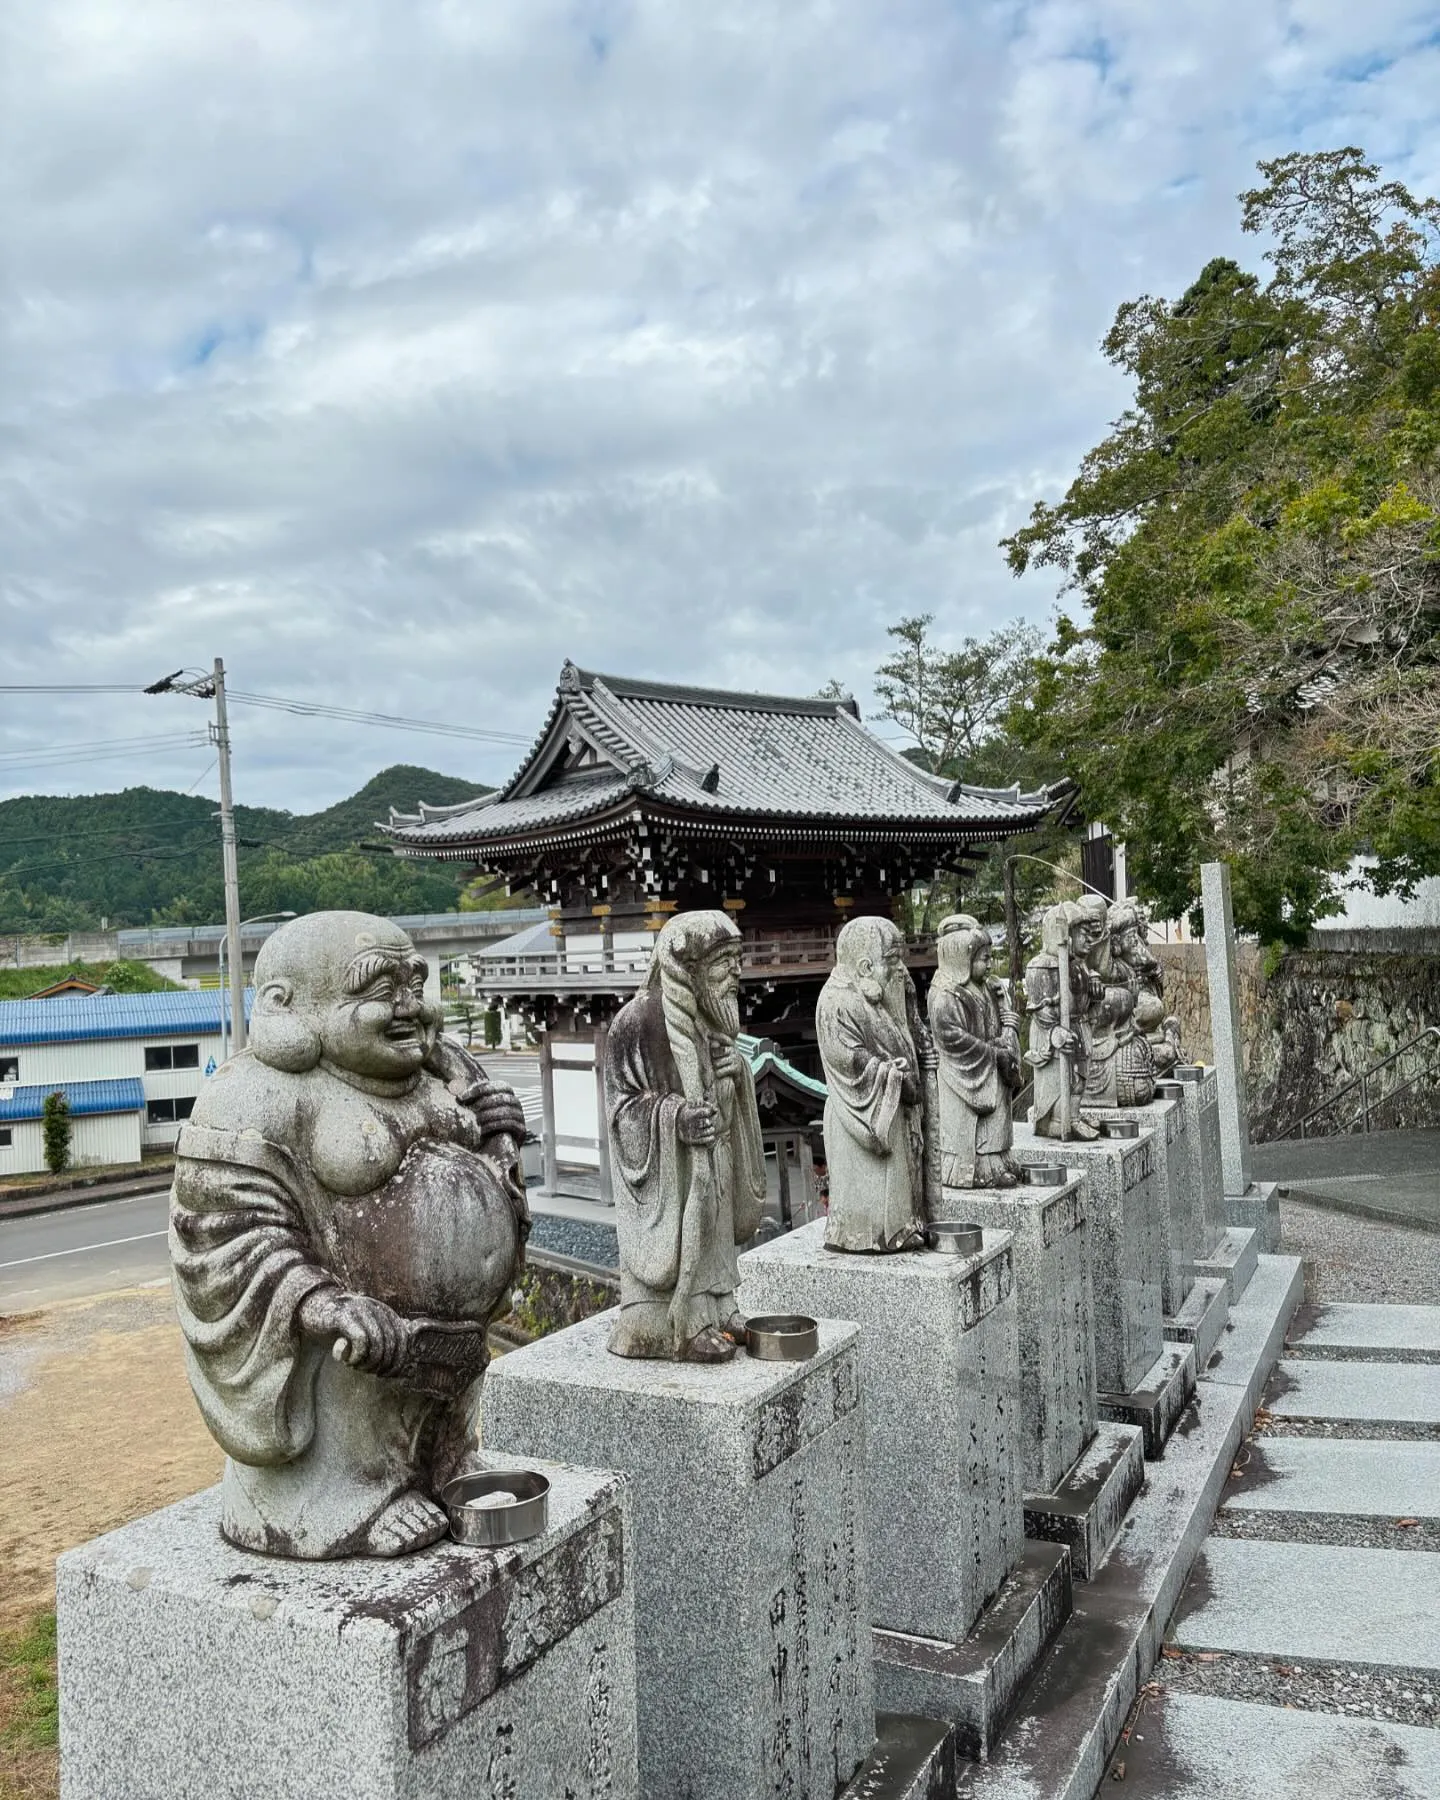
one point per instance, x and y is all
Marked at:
(1255, 547)
(56, 1126)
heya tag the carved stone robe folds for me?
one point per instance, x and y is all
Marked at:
(1042, 1002)
(285, 1183)
(681, 1209)
(979, 1070)
(874, 1127)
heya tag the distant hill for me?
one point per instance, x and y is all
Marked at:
(148, 856)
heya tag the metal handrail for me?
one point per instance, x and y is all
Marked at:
(1362, 1081)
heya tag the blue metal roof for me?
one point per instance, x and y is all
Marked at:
(187, 1013)
(119, 1096)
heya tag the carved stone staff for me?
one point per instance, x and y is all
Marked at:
(1062, 957)
(929, 1071)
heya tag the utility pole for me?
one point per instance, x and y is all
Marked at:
(230, 863)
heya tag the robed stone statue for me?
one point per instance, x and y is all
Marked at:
(347, 1215)
(1058, 1034)
(977, 1039)
(686, 1159)
(867, 1023)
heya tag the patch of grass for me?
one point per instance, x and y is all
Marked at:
(27, 1658)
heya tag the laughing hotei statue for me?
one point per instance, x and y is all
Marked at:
(875, 1050)
(977, 1039)
(347, 1216)
(1058, 1031)
(686, 1155)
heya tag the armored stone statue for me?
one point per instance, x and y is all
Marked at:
(866, 1022)
(1058, 1031)
(1131, 953)
(977, 1040)
(1120, 1070)
(347, 1216)
(687, 1161)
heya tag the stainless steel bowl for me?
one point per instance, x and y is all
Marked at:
(1043, 1175)
(1191, 1072)
(498, 1506)
(1170, 1090)
(955, 1237)
(782, 1337)
(1120, 1128)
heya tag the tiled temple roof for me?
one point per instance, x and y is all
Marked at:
(610, 744)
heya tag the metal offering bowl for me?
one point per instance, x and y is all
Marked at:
(782, 1337)
(497, 1506)
(955, 1237)
(1043, 1175)
(1120, 1128)
(1189, 1072)
(1170, 1090)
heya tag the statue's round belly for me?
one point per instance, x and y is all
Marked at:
(438, 1240)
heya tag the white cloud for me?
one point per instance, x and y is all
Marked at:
(396, 353)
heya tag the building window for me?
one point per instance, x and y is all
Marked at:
(172, 1056)
(168, 1112)
(9, 1068)
(6, 1137)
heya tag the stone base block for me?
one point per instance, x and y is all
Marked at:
(913, 1759)
(752, 1599)
(1257, 1210)
(189, 1669)
(1087, 1509)
(1231, 1261)
(939, 1366)
(1201, 1319)
(1157, 1403)
(1178, 1177)
(976, 1683)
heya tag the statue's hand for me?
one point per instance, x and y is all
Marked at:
(1060, 1039)
(698, 1125)
(497, 1111)
(724, 1059)
(367, 1334)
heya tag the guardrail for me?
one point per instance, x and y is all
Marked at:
(1369, 1103)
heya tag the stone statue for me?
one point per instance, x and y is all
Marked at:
(1130, 951)
(1057, 1050)
(687, 1160)
(1120, 1070)
(977, 1039)
(347, 1215)
(874, 1116)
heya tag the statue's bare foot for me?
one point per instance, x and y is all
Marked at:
(708, 1346)
(734, 1328)
(407, 1523)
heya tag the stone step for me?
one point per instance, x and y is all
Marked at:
(1314, 1603)
(1089, 1506)
(1394, 1332)
(913, 1759)
(1356, 1478)
(1385, 1393)
(1201, 1319)
(1257, 1210)
(1231, 1261)
(1157, 1403)
(1192, 1747)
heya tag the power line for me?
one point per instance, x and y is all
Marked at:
(90, 687)
(390, 721)
(154, 741)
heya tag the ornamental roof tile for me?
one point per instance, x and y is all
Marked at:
(712, 753)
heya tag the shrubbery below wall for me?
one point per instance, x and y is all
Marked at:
(1311, 1021)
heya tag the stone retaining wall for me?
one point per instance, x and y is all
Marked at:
(1321, 1017)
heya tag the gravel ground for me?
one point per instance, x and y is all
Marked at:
(1304, 1352)
(1347, 1258)
(1391, 1432)
(577, 1238)
(1405, 1696)
(1327, 1528)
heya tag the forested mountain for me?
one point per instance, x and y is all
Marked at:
(150, 857)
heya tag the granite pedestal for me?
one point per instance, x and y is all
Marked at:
(954, 1584)
(1178, 1176)
(747, 1483)
(190, 1670)
(1123, 1210)
(1257, 1210)
(1202, 1119)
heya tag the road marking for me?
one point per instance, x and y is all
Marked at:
(80, 1249)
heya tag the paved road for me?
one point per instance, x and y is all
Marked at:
(82, 1250)
(1389, 1175)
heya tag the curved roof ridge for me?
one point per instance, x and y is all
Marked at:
(625, 687)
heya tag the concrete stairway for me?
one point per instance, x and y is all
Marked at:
(1304, 1657)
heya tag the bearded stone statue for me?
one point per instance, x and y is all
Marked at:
(1141, 969)
(868, 1026)
(1057, 1052)
(1119, 1067)
(346, 1217)
(977, 1039)
(687, 1160)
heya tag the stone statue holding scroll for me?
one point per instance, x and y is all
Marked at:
(875, 1073)
(1057, 1045)
(686, 1157)
(977, 1039)
(346, 1218)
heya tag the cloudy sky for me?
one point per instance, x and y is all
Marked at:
(397, 349)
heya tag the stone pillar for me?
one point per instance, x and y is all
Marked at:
(755, 1663)
(450, 1671)
(1225, 1036)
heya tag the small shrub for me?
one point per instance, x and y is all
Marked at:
(56, 1117)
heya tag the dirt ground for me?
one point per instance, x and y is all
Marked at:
(97, 1426)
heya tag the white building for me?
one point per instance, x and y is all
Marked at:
(145, 1055)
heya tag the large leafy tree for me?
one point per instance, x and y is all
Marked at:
(1254, 670)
